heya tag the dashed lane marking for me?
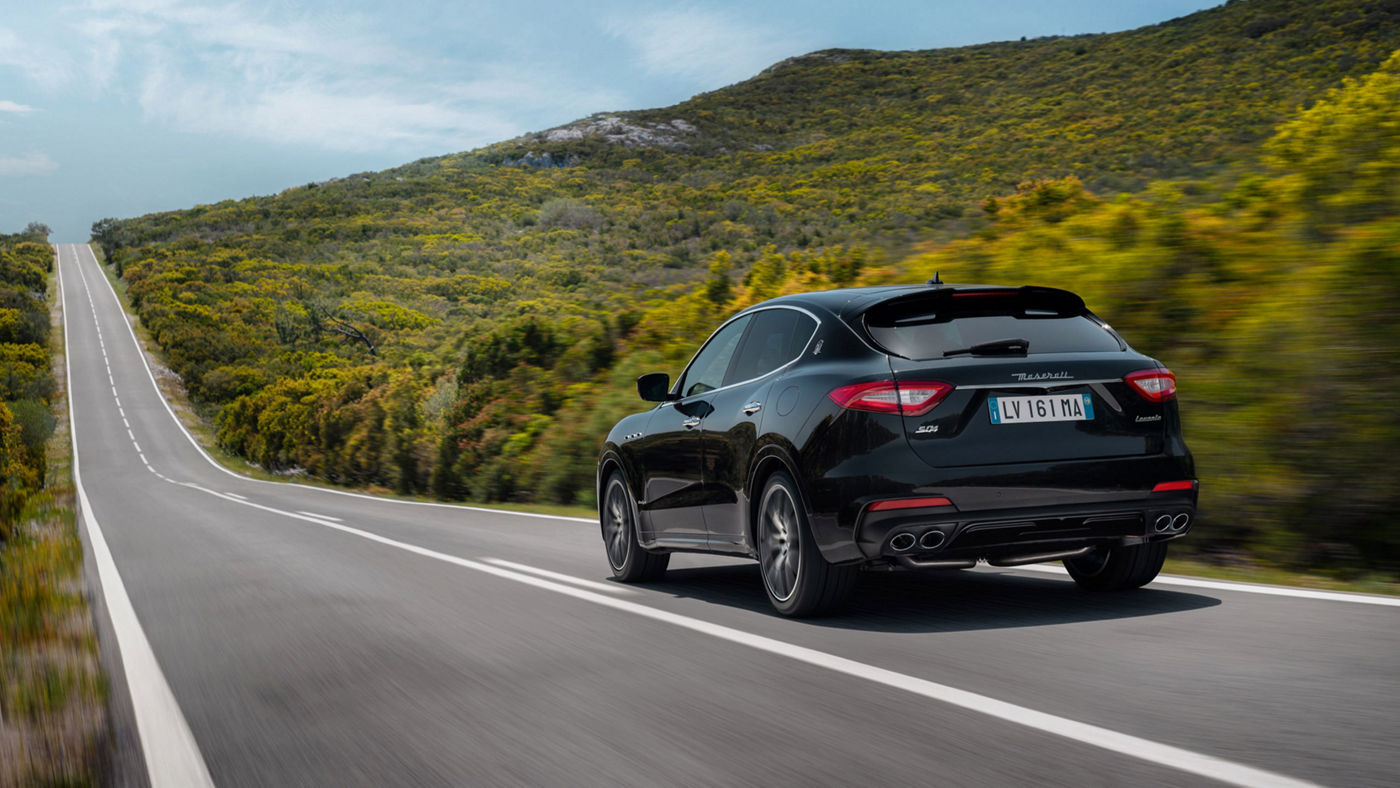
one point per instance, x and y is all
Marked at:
(168, 747)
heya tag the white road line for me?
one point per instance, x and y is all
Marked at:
(167, 745)
(321, 516)
(1245, 588)
(610, 588)
(236, 495)
(1166, 755)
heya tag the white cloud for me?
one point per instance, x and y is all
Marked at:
(27, 164)
(341, 116)
(45, 68)
(332, 80)
(15, 108)
(702, 45)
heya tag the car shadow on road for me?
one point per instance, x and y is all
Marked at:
(946, 601)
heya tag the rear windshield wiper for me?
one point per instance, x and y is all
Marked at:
(999, 347)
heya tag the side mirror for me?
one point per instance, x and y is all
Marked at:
(655, 387)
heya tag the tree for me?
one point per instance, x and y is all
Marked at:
(717, 287)
(337, 325)
(37, 228)
(108, 234)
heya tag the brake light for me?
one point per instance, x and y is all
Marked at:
(912, 398)
(909, 503)
(1154, 385)
(1186, 484)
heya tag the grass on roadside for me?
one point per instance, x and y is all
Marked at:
(53, 719)
(1255, 571)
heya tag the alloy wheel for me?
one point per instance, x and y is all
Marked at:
(617, 523)
(780, 552)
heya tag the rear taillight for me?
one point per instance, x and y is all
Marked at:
(1184, 484)
(1155, 385)
(911, 398)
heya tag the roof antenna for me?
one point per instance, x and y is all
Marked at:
(935, 281)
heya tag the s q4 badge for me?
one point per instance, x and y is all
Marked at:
(926, 429)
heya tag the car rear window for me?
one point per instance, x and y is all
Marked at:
(923, 328)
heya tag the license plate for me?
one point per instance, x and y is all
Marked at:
(1051, 407)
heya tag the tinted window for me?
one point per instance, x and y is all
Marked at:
(1046, 335)
(777, 337)
(706, 371)
(927, 327)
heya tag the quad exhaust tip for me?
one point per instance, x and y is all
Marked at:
(932, 540)
(1169, 522)
(902, 542)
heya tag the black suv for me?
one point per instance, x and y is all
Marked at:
(907, 427)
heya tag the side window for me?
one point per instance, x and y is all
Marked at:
(777, 337)
(706, 372)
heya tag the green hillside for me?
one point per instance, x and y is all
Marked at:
(468, 325)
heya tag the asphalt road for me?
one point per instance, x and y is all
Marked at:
(314, 637)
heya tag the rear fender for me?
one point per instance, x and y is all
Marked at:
(836, 544)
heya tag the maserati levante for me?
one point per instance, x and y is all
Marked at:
(903, 428)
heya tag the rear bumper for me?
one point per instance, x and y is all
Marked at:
(945, 538)
(1008, 512)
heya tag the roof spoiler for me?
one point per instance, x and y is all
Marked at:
(951, 301)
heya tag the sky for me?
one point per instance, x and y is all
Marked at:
(124, 107)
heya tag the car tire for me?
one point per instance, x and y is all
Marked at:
(617, 514)
(798, 580)
(1118, 567)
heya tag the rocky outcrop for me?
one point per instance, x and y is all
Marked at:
(669, 135)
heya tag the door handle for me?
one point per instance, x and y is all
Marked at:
(752, 408)
(691, 423)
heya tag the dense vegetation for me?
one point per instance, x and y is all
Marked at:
(26, 385)
(1277, 305)
(52, 715)
(469, 326)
